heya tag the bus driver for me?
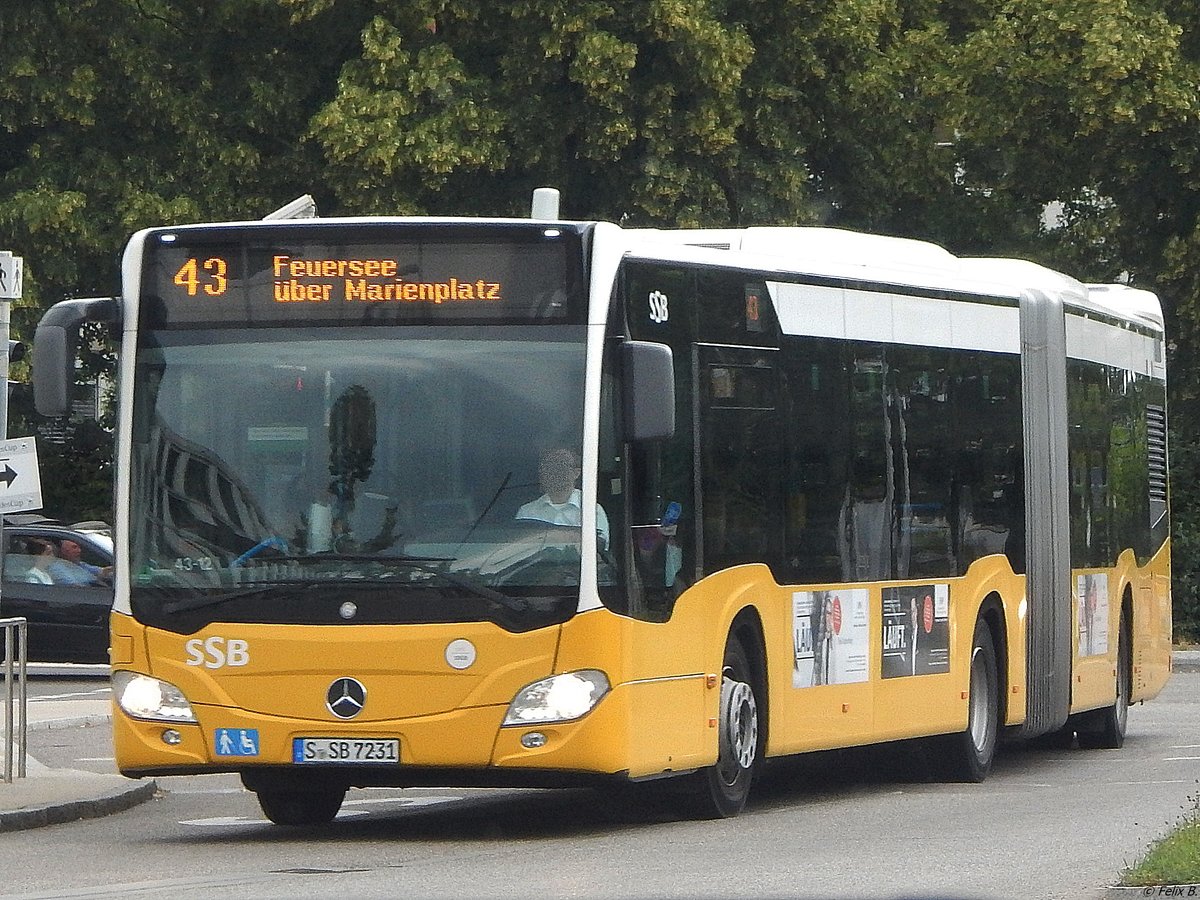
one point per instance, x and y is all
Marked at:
(561, 502)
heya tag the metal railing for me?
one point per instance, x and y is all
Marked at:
(14, 627)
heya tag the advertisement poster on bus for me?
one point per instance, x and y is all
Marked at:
(916, 630)
(1091, 594)
(831, 637)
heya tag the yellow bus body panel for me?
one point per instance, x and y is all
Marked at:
(1094, 674)
(443, 715)
(404, 668)
(1152, 626)
(671, 669)
(1148, 590)
(661, 714)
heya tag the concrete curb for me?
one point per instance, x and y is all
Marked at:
(1186, 661)
(111, 801)
(76, 722)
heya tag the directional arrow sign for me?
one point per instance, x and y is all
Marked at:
(20, 479)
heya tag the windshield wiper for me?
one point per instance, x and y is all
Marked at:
(421, 563)
(178, 606)
(487, 509)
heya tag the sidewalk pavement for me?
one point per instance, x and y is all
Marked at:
(49, 796)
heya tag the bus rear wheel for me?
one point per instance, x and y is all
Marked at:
(720, 791)
(968, 756)
(1104, 729)
(290, 806)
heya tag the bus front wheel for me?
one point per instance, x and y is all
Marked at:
(720, 791)
(288, 806)
(968, 755)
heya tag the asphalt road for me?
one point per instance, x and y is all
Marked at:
(1047, 824)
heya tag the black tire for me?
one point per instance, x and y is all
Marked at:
(285, 806)
(968, 755)
(1104, 729)
(720, 791)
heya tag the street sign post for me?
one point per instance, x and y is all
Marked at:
(12, 273)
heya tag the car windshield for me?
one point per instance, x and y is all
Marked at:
(406, 472)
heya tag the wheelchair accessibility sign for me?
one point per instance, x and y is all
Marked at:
(236, 741)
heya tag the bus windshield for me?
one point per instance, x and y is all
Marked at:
(353, 474)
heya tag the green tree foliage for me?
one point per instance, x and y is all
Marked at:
(119, 114)
(950, 120)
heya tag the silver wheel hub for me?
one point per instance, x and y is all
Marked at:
(739, 720)
(1122, 704)
(980, 712)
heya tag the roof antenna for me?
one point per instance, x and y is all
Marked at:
(545, 204)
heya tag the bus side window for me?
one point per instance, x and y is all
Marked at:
(662, 538)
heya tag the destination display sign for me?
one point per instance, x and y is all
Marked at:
(271, 275)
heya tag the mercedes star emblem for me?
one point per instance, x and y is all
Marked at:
(346, 698)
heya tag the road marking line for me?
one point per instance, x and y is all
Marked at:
(223, 821)
(404, 801)
(238, 790)
(1180, 758)
(43, 697)
(1141, 783)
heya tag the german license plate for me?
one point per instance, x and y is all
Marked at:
(345, 750)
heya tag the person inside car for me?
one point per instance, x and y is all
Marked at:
(44, 557)
(70, 568)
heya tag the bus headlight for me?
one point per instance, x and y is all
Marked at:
(559, 698)
(144, 697)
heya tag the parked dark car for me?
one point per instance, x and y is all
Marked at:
(64, 593)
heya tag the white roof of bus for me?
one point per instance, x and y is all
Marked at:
(1124, 300)
(894, 260)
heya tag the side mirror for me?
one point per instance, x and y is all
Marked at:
(649, 393)
(54, 345)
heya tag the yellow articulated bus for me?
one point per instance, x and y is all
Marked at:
(543, 502)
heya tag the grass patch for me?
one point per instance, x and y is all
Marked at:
(1173, 860)
(1176, 858)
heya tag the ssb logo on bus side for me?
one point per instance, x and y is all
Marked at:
(658, 307)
